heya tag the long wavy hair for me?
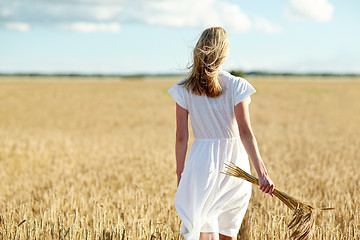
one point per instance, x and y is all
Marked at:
(209, 54)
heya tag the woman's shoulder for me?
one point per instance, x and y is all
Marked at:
(236, 84)
(231, 79)
(179, 87)
(180, 84)
(225, 73)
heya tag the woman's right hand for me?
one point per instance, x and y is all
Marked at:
(266, 184)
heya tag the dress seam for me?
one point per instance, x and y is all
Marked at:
(216, 139)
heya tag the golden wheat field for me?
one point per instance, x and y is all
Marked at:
(93, 158)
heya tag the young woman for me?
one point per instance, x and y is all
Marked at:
(210, 204)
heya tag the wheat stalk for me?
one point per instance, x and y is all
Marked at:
(303, 221)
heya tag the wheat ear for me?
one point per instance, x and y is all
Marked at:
(303, 221)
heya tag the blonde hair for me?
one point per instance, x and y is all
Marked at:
(209, 54)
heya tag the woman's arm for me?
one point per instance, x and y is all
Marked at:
(182, 136)
(249, 141)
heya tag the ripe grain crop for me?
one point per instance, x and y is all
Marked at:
(94, 158)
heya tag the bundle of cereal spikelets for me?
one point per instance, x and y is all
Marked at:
(303, 221)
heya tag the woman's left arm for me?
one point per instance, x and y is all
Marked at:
(182, 137)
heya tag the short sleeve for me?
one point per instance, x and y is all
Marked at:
(242, 90)
(178, 94)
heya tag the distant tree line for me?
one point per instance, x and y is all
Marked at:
(87, 75)
(238, 73)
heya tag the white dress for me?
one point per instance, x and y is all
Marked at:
(207, 200)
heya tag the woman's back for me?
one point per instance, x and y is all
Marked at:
(213, 118)
(203, 197)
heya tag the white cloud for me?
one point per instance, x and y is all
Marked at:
(18, 26)
(108, 15)
(233, 17)
(172, 13)
(262, 24)
(88, 27)
(200, 13)
(104, 13)
(5, 12)
(319, 10)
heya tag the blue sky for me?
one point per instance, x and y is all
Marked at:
(157, 36)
